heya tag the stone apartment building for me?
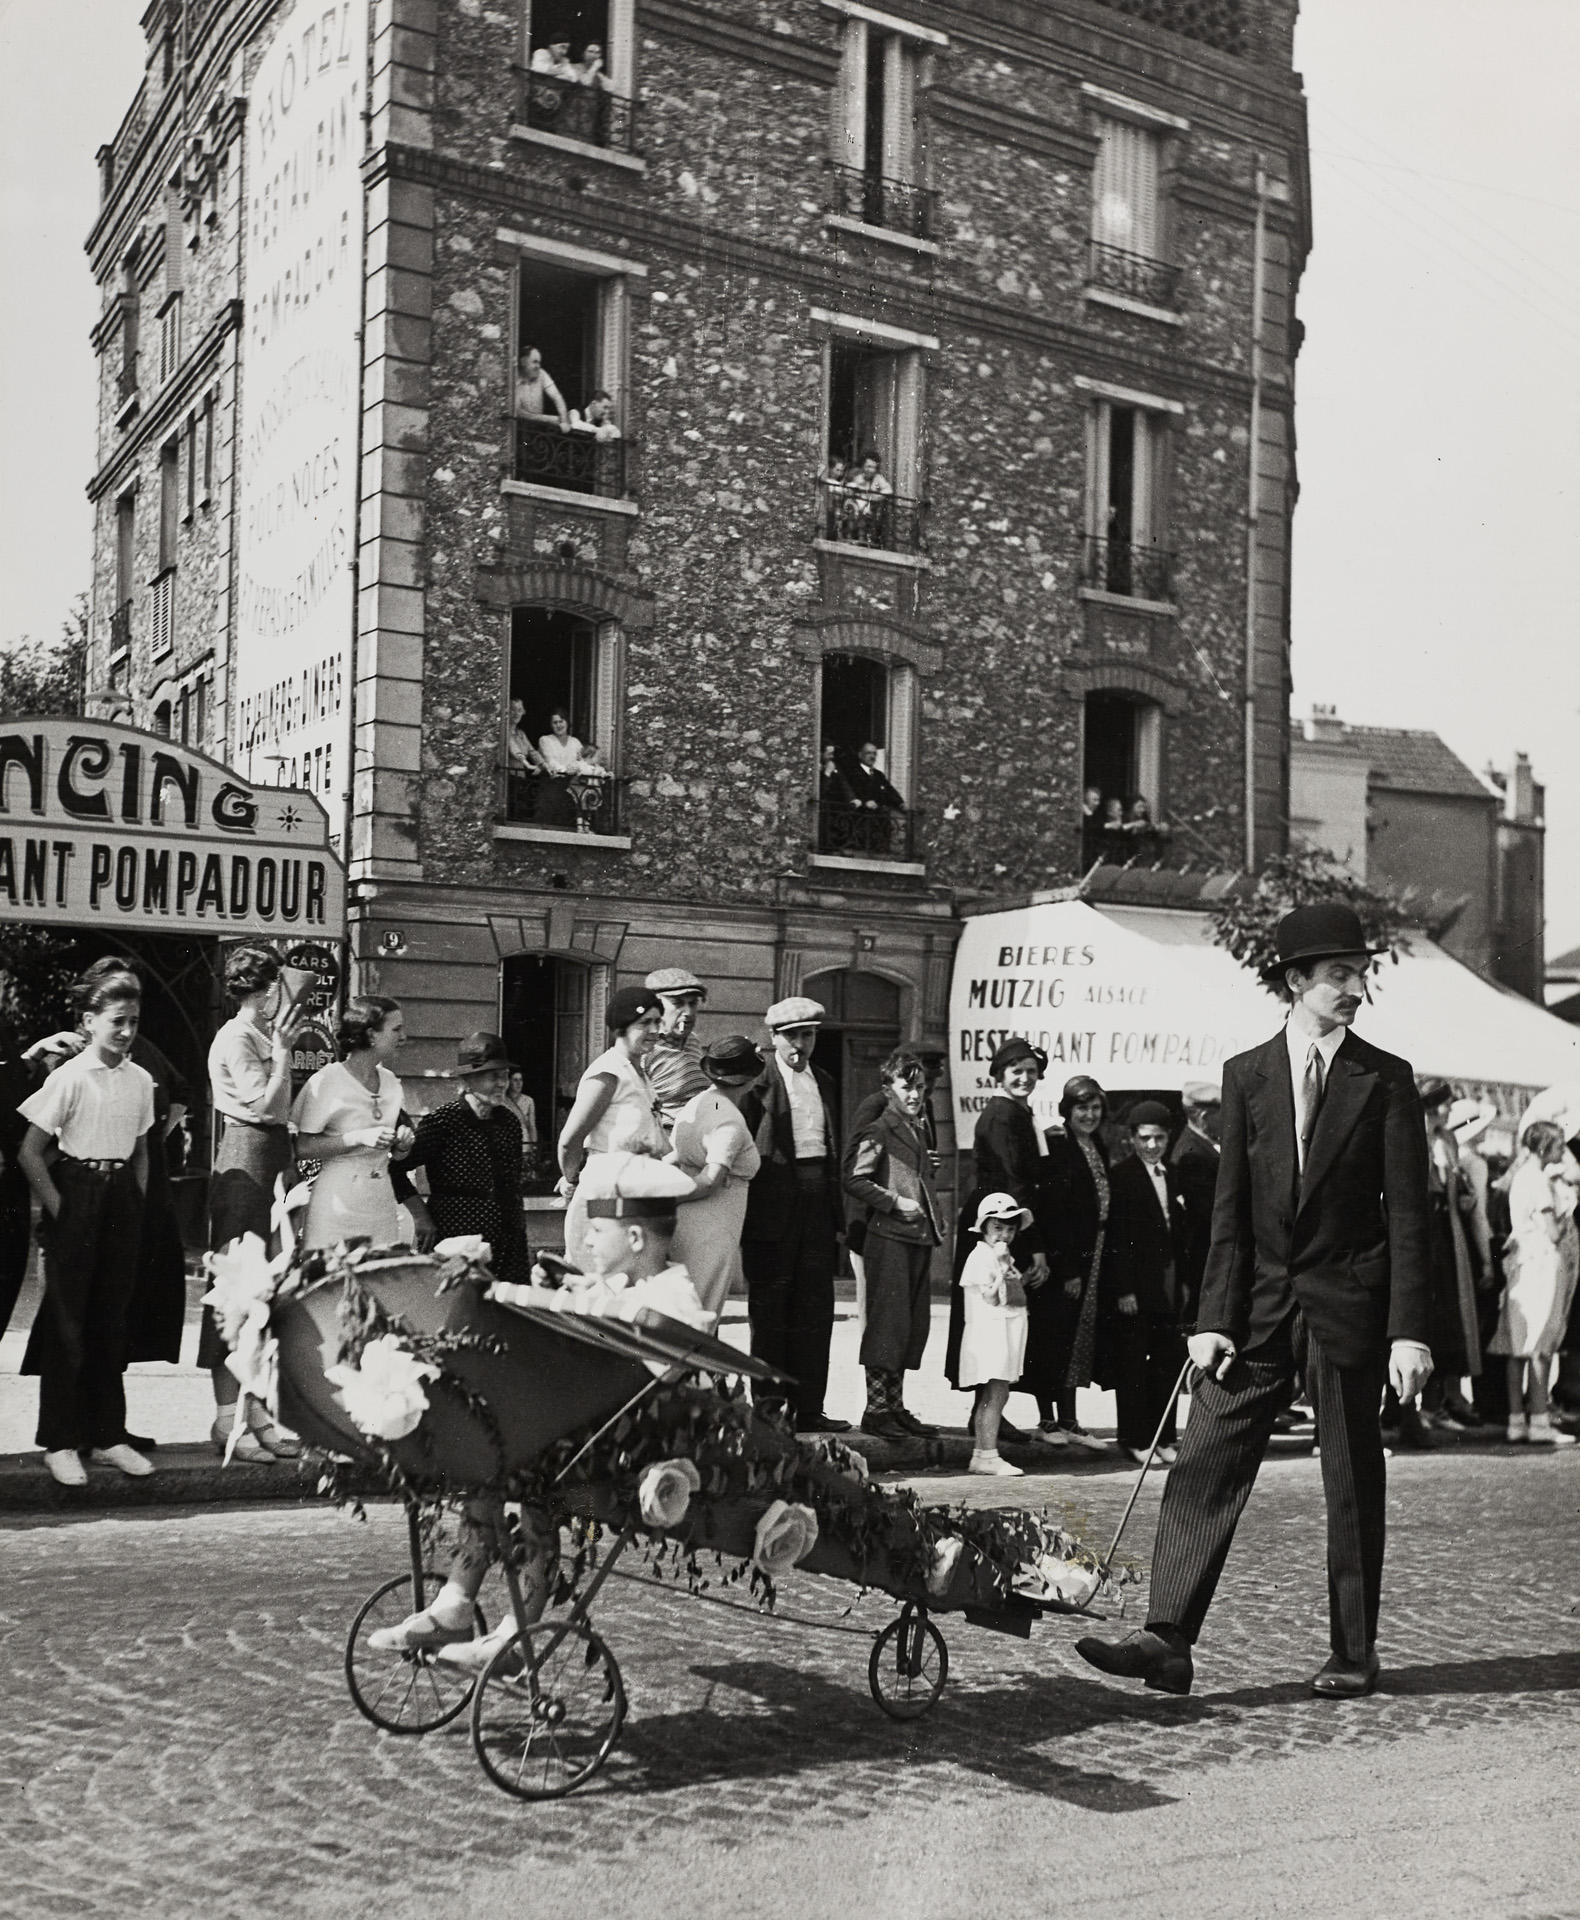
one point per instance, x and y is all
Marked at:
(1040, 260)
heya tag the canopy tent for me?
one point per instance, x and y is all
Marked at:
(1143, 997)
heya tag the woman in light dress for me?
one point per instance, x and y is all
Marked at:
(348, 1119)
(1540, 1263)
(616, 1108)
(714, 1145)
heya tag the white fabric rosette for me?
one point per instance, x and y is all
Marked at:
(241, 1280)
(384, 1394)
(465, 1246)
(786, 1534)
(941, 1568)
(1050, 1578)
(664, 1493)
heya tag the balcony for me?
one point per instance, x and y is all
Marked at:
(572, 460)
(591, 804)
(121, 629)
(1133, 571)
(855, 517)
(591, 116)
(865, 833)
(1135, 276)
(877, 201)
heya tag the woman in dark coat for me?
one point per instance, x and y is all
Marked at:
(1074, 1219)
(1009, 1151)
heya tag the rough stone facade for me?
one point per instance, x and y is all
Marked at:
(716, 602)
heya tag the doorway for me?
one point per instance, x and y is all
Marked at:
(543, 1018)
(861, 1028)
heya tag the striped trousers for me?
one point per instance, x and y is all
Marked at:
(1224, 1442)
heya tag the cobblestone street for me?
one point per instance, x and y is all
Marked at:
(178, 1735)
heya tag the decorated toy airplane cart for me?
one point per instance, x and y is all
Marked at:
(617, 1432)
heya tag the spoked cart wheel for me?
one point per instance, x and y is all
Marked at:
(909, 1665)
(404, 1692)
(548, 1710)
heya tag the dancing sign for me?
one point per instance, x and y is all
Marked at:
(104, 826)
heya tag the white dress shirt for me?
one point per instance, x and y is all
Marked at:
(1160, 1186)
(806, 1112)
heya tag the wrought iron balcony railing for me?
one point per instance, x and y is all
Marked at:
(571, 458)
(593, 115)
(121, 628)
(1121, 566)
(860, 517)
(866, 833)
(1136, 275)
(592, 802)
(878, 201)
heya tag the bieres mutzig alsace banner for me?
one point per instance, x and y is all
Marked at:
(104, 826)
(296, 455)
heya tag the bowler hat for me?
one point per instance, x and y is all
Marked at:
(732, 1058)
(481, 1053)
(1317, 933)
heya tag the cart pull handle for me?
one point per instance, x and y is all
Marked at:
(1135, 1492)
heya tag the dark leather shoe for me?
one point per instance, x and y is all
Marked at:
(1141, 1655)
(1343, 1680)
(884, 1426)
(912, 1425)
(821, 1422)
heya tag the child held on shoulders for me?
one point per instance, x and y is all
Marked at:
(97, 1109)
(993, 1345)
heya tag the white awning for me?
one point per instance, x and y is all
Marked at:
(1143, 997)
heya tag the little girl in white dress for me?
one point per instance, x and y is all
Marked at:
(993, 1345)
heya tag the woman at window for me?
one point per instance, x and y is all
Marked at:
(562, 756)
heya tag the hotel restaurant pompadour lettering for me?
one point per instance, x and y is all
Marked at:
(102, 825)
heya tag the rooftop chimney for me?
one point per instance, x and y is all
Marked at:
(1520, 794)
(1325, 724)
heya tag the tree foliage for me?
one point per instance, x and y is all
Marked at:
(44, 676)
(1247, 922)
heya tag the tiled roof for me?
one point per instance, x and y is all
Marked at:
(1415, 762)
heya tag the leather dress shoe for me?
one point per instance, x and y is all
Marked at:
(821, 1422)
(1343, 1680)
(883, 1426)
(912, 1425)
(1142, 1655)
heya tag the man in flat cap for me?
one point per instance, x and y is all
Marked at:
(790, 1242)
(675, 1064)
(1318, 1265)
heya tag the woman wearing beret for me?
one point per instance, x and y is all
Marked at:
(1010, 1157)
(615, 1110)
(1075, 1217)
(713, 1144)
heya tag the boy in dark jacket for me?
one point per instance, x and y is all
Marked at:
(888, 1173)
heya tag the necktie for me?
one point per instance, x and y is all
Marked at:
(1311, 1085)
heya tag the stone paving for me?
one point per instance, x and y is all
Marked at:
(178, 1734)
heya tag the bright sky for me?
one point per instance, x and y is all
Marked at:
(1439, 388)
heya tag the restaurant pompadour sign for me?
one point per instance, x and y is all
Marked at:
(102, 825)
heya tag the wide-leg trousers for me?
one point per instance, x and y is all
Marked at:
(790, 1293)
(1148, 1352)
(1225, 1439)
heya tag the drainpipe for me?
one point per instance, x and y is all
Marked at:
(1275, 191)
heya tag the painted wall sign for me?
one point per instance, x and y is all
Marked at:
(296, 476)
(102, 825)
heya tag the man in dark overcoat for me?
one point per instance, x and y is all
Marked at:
(790, 1241)
(1144, 1285)
(1194, 1158)
(1318, 1264)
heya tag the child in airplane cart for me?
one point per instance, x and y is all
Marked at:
(98, 1109)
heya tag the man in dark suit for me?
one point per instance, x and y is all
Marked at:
(1318, 1264)
(790, 1242)
(1194, 1158)
(1146, 1261)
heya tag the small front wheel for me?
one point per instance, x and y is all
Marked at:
(403, 1692)
(547, 1711)
(909, 1666)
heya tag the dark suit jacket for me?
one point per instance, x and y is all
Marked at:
(772, 1197)
(1195, 1160)
(1006, 1160)
(1145, 1254)
(887, 1161)
(1348, 1240)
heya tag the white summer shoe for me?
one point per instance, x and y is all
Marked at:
(66, 1468)
(995, 1465)
(1545, 1434)
(474, 1656)
(1518, 1431)
(135, 1465)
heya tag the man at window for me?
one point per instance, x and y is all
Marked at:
(599, 418)
(536, 393)
(875, 798)
(555, 60)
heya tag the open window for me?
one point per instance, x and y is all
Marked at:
(866, 732)
(1128, 459)
(577, 78)
(570, 367)
(878, 159)
(545, 1020)
(559, 751)
(871, 490)
(1121, 779)
(125, 572)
